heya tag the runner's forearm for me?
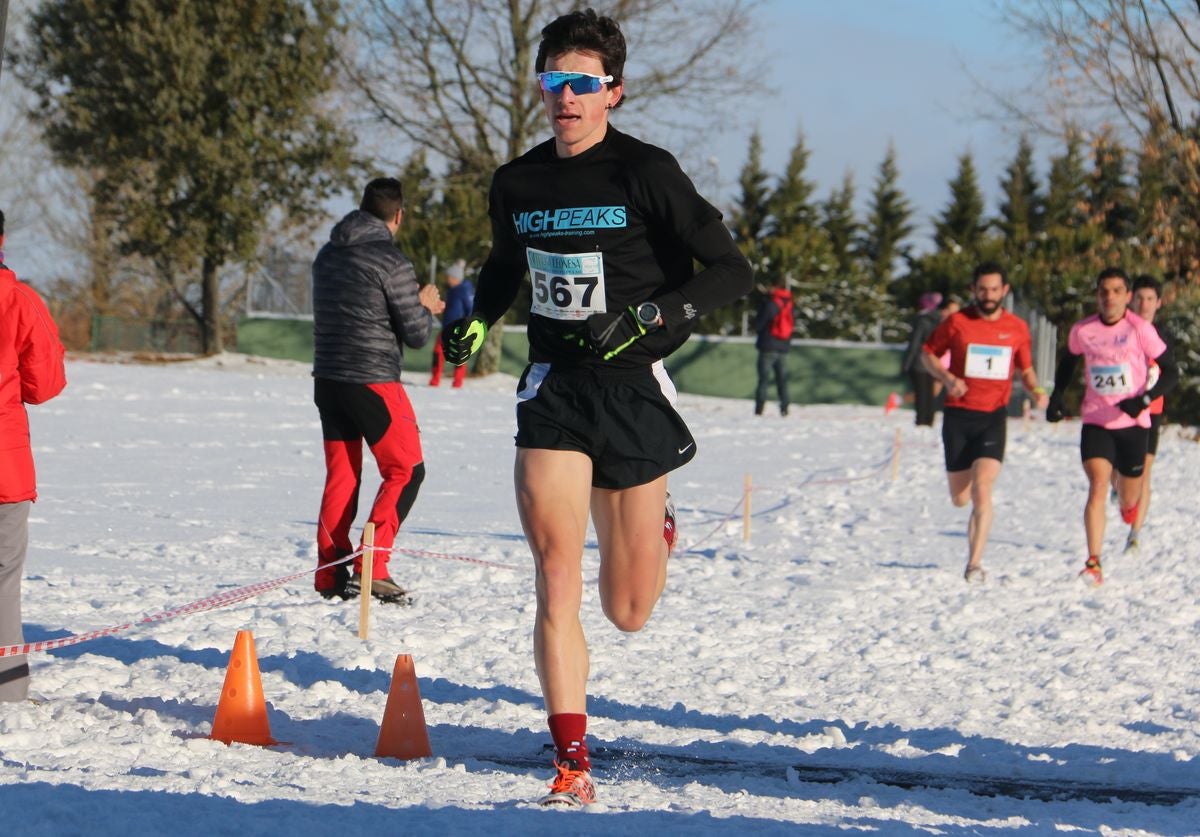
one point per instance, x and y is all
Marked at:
(497, 289)
(726, 277)
(1065, 373)
(1168, 375)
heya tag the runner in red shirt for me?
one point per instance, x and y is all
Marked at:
(986, 343)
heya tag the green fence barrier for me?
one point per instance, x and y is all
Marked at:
(819, 371)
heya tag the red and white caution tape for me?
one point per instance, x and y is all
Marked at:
(224, 599)
(212, 602)
(423, 553)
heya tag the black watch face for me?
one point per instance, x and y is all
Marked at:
(647, 313)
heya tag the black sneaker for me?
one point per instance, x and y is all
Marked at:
(338, 593)
(339, 590)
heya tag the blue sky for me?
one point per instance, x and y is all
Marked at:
(854, 74)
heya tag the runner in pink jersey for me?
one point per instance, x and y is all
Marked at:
(1117, 347)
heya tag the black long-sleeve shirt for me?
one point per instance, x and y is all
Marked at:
(614, 226)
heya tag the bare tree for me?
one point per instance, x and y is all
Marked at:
(1133, 64)
(1131, 60)
(456, 77)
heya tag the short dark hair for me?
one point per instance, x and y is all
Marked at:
(987, 269)
(1143, 281)
(585, 31)
(1112, 273)
(947, 301)
(383, 198)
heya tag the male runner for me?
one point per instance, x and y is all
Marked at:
(608, 228)
(985, 343)
(1117, 346)
(1147, 300)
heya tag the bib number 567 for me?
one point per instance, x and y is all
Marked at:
(561, 290)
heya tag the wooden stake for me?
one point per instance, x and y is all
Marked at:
(366, 578)
(896, 456)
(746, 511)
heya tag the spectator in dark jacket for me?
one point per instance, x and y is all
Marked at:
(460, 298)
(773, 348)
(367, 305)
(31, 371)
(931, 310)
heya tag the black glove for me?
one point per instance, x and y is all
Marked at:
(463, 338)
(1134, 404)
(612, 332)
(1054, 410)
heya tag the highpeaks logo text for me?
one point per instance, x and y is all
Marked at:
(569, 219)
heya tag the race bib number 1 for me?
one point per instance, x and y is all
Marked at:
(566, 286)
(993, 363)
(1111, 380)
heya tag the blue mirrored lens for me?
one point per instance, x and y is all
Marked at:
(553, 82)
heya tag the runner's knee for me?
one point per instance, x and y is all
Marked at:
(629, 614)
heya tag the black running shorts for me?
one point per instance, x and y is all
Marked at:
(968, 435)
(1124, 448)
(623, 419)
(1156, 420)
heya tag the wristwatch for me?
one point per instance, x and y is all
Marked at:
(647, 315)
(1146, 400)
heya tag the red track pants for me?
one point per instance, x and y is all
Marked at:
(380, 414)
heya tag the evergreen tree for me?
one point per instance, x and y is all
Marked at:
(889, 222)
(840, 225)
(1072, 249)
(795, 245)
(1021, 209)
(203, 119)
(1111, 198)
(961, 225)
(1066, 189)
(790, 205)
(751, 211)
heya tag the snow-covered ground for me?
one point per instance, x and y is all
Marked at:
(833, 673)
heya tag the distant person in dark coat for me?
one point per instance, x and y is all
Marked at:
(774, 324)
(367, 304)
(931, 311)
(460, 298)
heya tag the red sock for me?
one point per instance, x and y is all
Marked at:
(1129, 515)
(568, 731)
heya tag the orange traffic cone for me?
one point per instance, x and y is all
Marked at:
(893, 401)
(403, 734)
(242, 710)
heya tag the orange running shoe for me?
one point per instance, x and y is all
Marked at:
(1091, 572)
(571, 788)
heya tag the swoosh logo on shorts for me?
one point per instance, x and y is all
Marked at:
(685, 447)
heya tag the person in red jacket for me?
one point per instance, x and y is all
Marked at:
(31, 371)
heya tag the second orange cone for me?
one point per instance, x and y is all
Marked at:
(242, 711)
(403, 734)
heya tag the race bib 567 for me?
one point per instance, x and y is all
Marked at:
(566, 286)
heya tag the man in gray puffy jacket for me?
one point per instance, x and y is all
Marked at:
(367, 305)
